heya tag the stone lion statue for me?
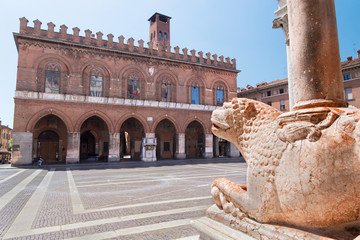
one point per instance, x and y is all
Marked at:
(303, 166)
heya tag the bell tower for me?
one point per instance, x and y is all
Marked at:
(159, 30)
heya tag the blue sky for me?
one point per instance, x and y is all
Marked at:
(240, 29)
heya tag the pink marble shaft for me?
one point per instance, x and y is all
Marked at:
(314, 47)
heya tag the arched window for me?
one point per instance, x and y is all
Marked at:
(96, 82)
(165, 35)
(133, 88)
(195, 93)
(52, 78)
(166, 89)
(219, 95)
(160, 34)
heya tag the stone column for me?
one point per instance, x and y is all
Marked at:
(233, 151)
(282, 21)
(209, 145)
(114, 147)
(73, 148)
(315, 59)
(180, 146)
(148, 153)
(22, 148)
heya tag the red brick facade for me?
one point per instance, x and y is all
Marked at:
(85, 97)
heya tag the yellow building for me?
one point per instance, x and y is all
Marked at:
(5, 146)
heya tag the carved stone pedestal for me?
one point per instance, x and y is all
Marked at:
(220, 225)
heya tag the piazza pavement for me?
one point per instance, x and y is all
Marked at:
(124, 200)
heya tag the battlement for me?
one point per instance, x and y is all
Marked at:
(97, 40)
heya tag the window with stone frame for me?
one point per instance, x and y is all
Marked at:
(52, 78)
(348, 94)
(347, 76)
(96, 82)
(133, 86)
(195, 93)
(166, 93)
(282, 105)
(219, 95)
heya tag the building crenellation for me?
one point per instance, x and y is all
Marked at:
(97, 40)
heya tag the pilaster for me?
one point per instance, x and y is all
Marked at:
(233, 151)
(114, 147)
(22, 148)
(180, 146)
(73, 148)
(209, 145)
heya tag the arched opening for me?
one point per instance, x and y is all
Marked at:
(48, 146)
(221, 147)
(94, 140)
(165, 134)
(50, 139)
(194, 140)
(131, 135)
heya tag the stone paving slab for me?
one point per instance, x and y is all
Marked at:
(116, 201)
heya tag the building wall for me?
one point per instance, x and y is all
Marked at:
(273, 94)
(76, 59)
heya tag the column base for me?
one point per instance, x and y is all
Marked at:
(113, 159)
(72, 160)
(208, 154)
(220, 225)
(180, 155)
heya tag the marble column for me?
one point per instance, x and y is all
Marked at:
(315, 59)
(114, 147)
(180, 146)
(209, 146)
(282, 22)
(73, 148)
(22, 148)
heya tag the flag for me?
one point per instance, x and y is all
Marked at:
(137, 91)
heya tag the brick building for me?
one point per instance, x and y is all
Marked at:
(5, 143)
(276, 93)
(87, 98)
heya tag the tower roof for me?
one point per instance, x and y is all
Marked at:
(161, 15)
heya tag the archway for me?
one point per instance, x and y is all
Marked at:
(50, 139)
(94, 140)
(48, 146)
(165, 134)
(221, 147)
(194, 140)
(131, 135)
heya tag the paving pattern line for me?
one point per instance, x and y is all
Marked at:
(223, 168)
(135, 230)
(147, 178)
(77, 205)
(152, 180)
(9, 196)
(23, 222)
(13, 175)
(194, 237)
(108, 221)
